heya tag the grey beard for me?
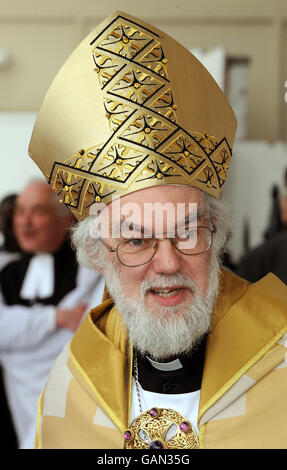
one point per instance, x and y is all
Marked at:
(163, 335)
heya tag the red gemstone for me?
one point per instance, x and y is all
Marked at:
(153, 412)
(156, 445)
(127, 435)
(184, 426)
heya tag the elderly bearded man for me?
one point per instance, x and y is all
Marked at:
(181, 353)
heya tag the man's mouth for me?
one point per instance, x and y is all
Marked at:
(168, 296)
(28, 233)
(165, 292)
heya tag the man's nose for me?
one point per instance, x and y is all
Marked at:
(24, 219)
(167, 258)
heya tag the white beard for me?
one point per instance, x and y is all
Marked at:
(163, 335)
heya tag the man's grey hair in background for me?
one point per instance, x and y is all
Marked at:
(62, 210)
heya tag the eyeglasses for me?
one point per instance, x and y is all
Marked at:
(134, 252)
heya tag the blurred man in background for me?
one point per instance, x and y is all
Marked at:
(270, 256)
(44, 295)
(9, 248)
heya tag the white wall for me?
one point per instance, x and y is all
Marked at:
(17, 168)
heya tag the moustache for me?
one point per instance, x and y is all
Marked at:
(163, 281)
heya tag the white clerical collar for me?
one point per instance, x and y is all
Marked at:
(39, 278)
(166, 366)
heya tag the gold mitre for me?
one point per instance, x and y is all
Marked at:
(131, 108)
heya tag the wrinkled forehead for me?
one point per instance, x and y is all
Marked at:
(152, 210)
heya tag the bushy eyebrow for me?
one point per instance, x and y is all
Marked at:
(124, 224)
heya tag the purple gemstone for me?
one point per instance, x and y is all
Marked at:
(153, 412)
(156, 445)
(127, 435)
(184, 426)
